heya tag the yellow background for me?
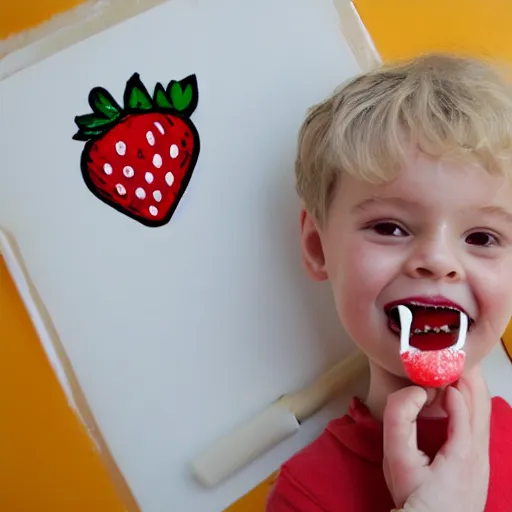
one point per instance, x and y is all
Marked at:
(404, 28)
(19, 15)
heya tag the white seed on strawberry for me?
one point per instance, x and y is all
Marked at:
(120, 189)
(157, 161)
(140, 193)
(174, 151)
(159, 127)
(107, 169)
(157, 195)
(169, 178)
(128, 171)
(150, 138)
(153, 210)
(149, 177)
(121, 148)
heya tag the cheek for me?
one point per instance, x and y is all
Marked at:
(493, 291)
(359, 271)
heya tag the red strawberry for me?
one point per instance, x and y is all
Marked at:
(139, 159)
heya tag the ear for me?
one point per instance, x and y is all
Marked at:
(312, 250)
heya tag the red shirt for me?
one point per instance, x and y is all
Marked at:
(341, 471)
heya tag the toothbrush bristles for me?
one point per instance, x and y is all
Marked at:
(405, 327)
(463, 329)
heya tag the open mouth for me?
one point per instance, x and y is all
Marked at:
(434, 327)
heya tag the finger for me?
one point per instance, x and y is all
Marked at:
(459, 439)
(475, 391)
(399, 423)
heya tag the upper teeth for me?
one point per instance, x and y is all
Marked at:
(433, 306)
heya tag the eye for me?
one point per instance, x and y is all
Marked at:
(482, 239)
(389, 229)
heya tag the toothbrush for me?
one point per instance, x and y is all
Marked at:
(431, 368)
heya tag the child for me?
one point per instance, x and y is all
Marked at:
(405, 176)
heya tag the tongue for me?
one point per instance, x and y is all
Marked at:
(433, 341)
(434, 318)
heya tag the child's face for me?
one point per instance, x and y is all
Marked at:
(439, 229)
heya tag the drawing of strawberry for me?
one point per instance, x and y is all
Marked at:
(139, 159)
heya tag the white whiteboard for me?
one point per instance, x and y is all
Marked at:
(178, 334)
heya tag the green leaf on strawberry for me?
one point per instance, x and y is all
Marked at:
(92, 121)
(180, 98)
(160, 97)
(183, 94)
(91, 125)
(102, 102)
(136, 96)
(87, 134)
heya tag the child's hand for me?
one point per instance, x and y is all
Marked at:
(457, 479)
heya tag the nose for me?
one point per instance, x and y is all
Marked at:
(434, 258)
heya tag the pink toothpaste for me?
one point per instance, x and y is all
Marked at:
(431, 368)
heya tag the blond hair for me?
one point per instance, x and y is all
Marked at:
(446, 106)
